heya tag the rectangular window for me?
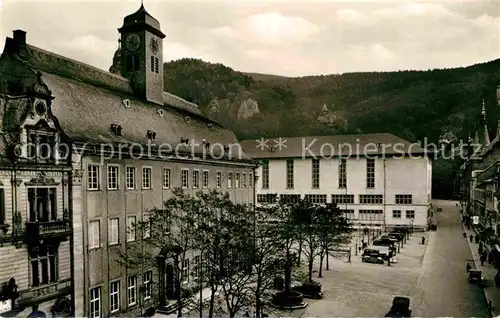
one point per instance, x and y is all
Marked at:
(396, 214)
(130, 177)
(157, 65)
(343, 173)
(237, 181)
(404, 199)
(196, 179)
(243, 180)
(316, 198)
(94, 234)
(185, 178)
(2, 207)
(95, 302)
(185, 271)
(371, 199)
(148, 284)
(132, 290)
(267, 198)
(146, 178)
(196, 268)
(42, 204)
(219, 179)
(40, 145)
(114, 296)
(371, 215)
(205, 178)
(250, 180)
(343, 198)
(43, 265)
(348, 214)
(265, 174)
(229, 179)
(132, 63)
(93, 177)
(113, 231)
(290, 198)
(130, 228)
(315, 173)
(370, 173)
(410, 214)
(289, 174)
(152, 62)
(166, 178)
(112, 177)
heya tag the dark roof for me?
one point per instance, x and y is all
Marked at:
(329, 146)
(49, 62)
(139, 20)
(87, 101)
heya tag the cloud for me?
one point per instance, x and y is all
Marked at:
(275, 37)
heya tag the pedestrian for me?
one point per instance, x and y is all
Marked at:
(471, 238)
(468, 267)
(482, 258)
(480, 249)
(423, 240)
(465, 235)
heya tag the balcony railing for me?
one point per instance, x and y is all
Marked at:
(51, 229)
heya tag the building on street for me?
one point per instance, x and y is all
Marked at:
(129, 144)
(379, 180)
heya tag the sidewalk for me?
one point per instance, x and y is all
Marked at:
(491, 292)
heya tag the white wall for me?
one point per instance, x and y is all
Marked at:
(402, 176)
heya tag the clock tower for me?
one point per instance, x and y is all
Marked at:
(142, 55)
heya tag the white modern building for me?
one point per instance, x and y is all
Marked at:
(379, 180)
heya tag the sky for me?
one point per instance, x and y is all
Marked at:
(289, 38)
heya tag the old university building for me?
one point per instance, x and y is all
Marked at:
(63, 222)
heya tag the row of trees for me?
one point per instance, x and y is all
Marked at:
(241, 249)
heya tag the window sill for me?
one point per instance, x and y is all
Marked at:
(166, 188)
(93, 190)
(130, 189)
(94, 248)
(113, 189)
(114, 244)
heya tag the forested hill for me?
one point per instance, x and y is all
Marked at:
(410, 104)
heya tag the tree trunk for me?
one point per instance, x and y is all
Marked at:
(327, 260)
(257, 295)
(320, 272)
(311, 260)
(288, 272)
(212, 301)
(300, 251)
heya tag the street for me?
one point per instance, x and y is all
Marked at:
(433, 276)
(443, 289)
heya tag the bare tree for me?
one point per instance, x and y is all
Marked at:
(333, 230)
(166, 231)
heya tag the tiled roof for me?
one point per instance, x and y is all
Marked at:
(87, 101)
(49, 62)
(487, 173)
(329, 146)
(86, 112)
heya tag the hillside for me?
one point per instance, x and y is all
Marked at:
(411, 104)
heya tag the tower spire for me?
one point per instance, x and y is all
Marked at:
(483, 117)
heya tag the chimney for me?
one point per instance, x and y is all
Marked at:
(20, 37)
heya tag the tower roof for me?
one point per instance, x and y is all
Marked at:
(141, 20)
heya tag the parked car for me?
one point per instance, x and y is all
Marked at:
(476, 277)
(400, 307)
(397, 235)
(384, 242)
(382, 250)
(372, 257)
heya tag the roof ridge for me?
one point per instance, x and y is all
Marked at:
(336, 135)
(79, 63)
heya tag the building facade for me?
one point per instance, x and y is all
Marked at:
(35, 209)
(129, 144)
(371, 177)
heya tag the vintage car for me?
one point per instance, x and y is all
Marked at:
(398, 236)
(476, 277)
(372, 257)
(400, 307)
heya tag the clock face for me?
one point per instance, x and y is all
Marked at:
(155, 46)
(133, 41)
